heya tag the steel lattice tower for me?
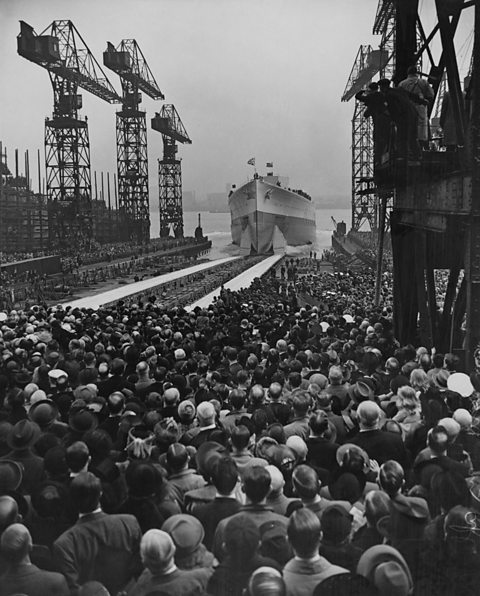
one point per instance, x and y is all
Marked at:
(132, 167)
(129, 63)
(168, 123)
(61, 50)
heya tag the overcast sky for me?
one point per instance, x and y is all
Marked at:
(249, 78)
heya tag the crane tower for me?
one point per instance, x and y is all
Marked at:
(168, 122)
(128, 62)
(61, 50)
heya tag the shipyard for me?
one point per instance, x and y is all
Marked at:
(240, 298)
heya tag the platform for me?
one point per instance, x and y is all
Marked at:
(239, 282)
(144, 286)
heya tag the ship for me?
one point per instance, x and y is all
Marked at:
(266, 215)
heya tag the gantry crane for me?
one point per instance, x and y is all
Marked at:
(168, 122)
(129, 63)
(61, 50)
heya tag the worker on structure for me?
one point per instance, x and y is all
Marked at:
(404, 115)
(377, 110)
(423, 91)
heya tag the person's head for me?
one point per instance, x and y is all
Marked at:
(392, 366)
(460, 531)
(368, 413)
(275, 391)
(171, 396)
(142, 369)
(305, 482)
(77, 456)
(336, 524)
(318, 423)
(419, 380)
(242, 538)
(437, 440)
(266, 581)
(177, 457)
(115, 403)
(304, 533)
(240, 437)
(237, 398)
(157, 551)
(224, 475)
(377, 506)
(301, 402)
(452, 427)
(8, 512)
(16, 543)
(206, 413)
(256, 484)
(391, 477)
(256, 395)
(85, 492)
(408, 399)
(463, 418)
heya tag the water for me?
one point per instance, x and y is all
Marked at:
(217, 227)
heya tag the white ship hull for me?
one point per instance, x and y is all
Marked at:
(266, 216)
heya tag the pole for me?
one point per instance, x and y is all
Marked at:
(381, 240)
(39, 176)
(96, 189)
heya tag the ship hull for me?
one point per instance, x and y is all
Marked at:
(266, 217)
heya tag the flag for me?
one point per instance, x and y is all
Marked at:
(251, 162)
(269, 164)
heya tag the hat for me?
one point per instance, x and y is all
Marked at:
(38, 395)
(463, 417)
(298, 446)
(83, 421)
(277, 480)
(179, 354)
(348, 318)
(412, 507)
(385, 567)
(346, 447)
(451, 426)
(157, 549)
(460, 383)
(11, 474)
(319, 379)
(56, 373)
(282, 457)
(186, 531)
(336, 523)
(274, 542)
(93, 588)
(360, 391)
(50, 499)
(43, 412)
(241, 536)
(24, 434)
(207, 454)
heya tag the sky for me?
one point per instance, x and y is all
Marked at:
(249, 78)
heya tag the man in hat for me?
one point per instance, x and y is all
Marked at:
(23, 577)
(99, 546)
(45, 414)
(21, 440)
(299, 424)
(380, 445)
(206, 425)
(161, 575)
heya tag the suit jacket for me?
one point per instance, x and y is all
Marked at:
(382, 446)
(100, 547)
(211, 514)
(29, 579)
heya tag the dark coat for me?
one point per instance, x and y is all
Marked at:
(210, 514)
(29, 579)
(382, 446)
(100, 547)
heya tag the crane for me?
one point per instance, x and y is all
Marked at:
(128, 62)
(169, 124)
(61, 50)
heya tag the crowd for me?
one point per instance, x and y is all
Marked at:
(256, 447)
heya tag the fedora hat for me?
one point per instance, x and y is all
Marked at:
(24, 434)
(43, 412)
(360, 391)
(11, 474)
(83, 421)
